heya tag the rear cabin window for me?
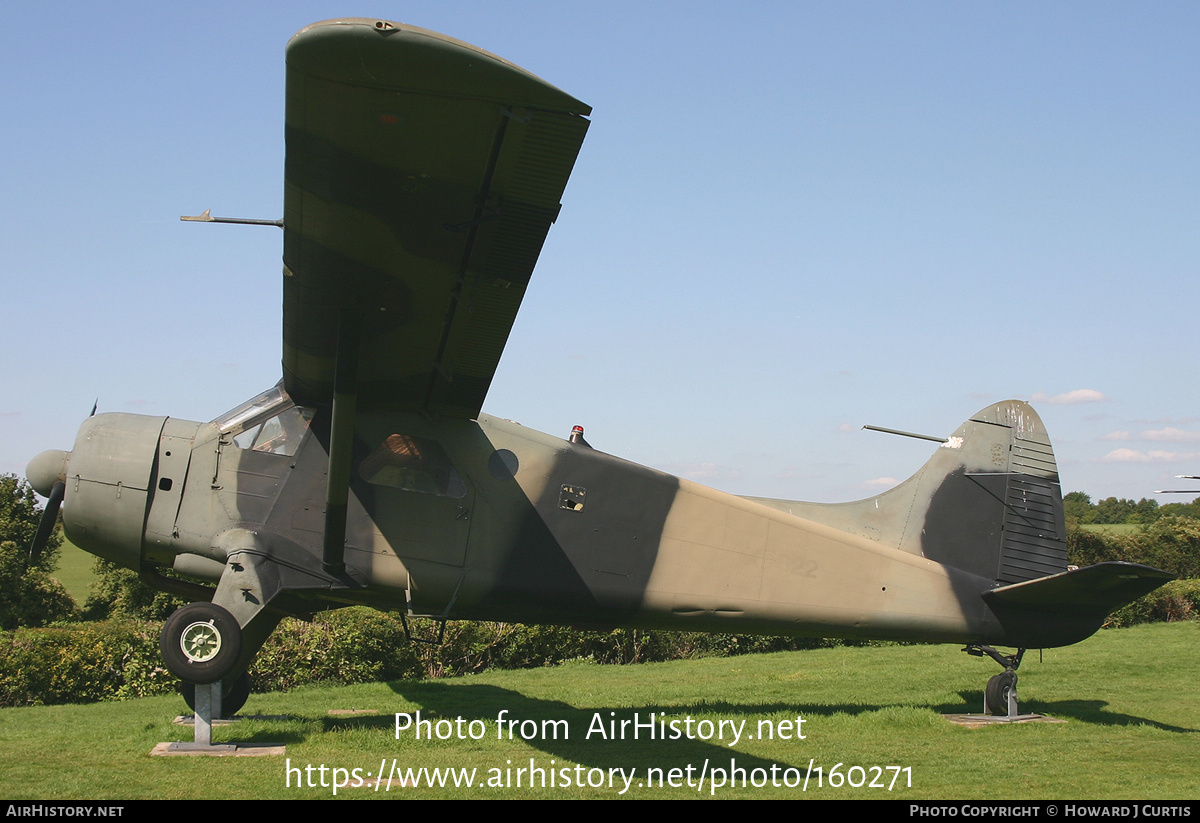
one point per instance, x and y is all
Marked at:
(413, 464)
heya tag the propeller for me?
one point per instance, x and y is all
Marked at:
(49, 517)
(47, 474)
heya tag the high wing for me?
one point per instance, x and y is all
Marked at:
(422, 176)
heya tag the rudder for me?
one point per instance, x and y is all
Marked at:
(998, 513)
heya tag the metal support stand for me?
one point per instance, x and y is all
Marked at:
(1013, 711)
(208, 706)
(208, 709)
(1001, 692)
(1000, 696)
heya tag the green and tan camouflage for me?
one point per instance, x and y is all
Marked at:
(422, 177)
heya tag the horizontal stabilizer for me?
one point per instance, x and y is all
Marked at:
(1090, 591)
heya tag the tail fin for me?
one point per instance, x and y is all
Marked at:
(988, 502)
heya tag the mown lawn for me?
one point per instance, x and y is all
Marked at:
(1128, 697)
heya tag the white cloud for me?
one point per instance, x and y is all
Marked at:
(1171, 435)
(1152, 456)
(1121, 435)
(881, 481)
(1071, 398)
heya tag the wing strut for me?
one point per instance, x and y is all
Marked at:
(341, 441)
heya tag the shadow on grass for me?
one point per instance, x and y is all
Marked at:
(261, 737)
(1084, 711)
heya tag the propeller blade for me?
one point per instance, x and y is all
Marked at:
(49, 517)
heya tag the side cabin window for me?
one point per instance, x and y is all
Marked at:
(269, 423)
(413, 464)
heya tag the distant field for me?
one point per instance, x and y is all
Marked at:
(75, 571)
(871, 714)
(1112, 528)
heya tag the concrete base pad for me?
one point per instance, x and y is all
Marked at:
(974, 721)
(218, 750)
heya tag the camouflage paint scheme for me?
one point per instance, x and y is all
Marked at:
(422, 177)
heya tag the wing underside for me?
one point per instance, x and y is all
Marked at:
(422, 177)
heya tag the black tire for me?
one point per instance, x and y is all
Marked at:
(234, 694)
(998, 689)
(201, 643)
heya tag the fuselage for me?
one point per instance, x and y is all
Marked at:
(487, 519)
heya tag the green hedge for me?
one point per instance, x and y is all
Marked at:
(355, 645)
(1171, 544)
(116, 660)
(81, 663)
(1177, 600)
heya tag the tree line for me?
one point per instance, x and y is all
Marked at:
(1079, 509)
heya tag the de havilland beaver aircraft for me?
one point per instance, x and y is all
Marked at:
(422, 176)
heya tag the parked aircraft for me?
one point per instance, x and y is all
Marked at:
(421, 179)
(1181, 491)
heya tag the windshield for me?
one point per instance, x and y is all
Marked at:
(269, 422)
(254, 411)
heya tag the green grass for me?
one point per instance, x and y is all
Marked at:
(1128, 696)
(75, 571)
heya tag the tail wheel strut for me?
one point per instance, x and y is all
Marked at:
(1000, 696)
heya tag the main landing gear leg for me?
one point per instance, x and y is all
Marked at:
(1000, 696)
(209, 646)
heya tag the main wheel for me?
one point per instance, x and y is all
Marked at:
(998, 690)
(234, 694)
(201, 643)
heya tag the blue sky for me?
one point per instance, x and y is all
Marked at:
(788, 220)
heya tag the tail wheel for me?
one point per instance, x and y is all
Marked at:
(998, 690)
(201, 643)
(234, 694)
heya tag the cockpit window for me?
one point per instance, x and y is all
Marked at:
(269, 422)
(277, 435)
(254, 411)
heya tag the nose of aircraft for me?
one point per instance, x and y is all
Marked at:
(46, 469)
(47, 473)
